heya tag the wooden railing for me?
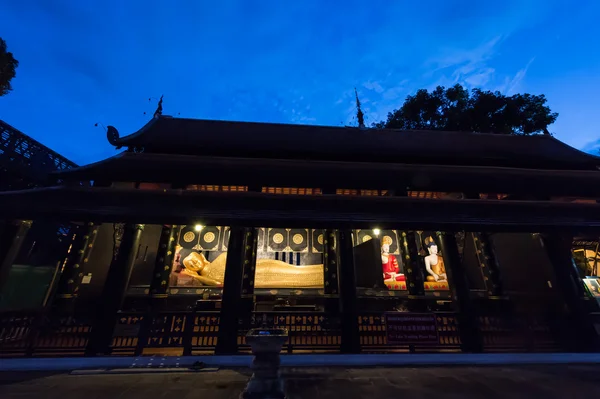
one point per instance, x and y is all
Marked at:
(16, 333)
(315, 332)
(523, 333)
(175, 333)
(37, 334)
(195, 333)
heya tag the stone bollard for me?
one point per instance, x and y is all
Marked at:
(266, 382)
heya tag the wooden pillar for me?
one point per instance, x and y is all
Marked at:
(245, 304)
(11, 241)
(249, 261)
(487, 262)
(330, 263)
(164, 261)
(159, 285)
(239, 248)
(114, 290)
(331, 273)
(412, 267)
(348, 305)
(72, 269)
(467, 318)
(581, 335)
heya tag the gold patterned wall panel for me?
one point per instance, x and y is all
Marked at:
(209, 238)
(188, 238)
(291, 240)
(278, 240)
(298, 240)
(286, 240)
(317, 238)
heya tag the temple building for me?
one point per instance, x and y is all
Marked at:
(355, 240)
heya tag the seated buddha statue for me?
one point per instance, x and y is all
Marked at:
(434, 263)
(270, 273)
(389, 263)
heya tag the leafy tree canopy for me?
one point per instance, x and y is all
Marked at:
(8, 65)
(456, 109)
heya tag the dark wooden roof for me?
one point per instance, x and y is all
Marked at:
(169, 135)
(327, 175)
(321, 211)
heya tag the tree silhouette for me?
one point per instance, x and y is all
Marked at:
(8, 66)
(456, 109)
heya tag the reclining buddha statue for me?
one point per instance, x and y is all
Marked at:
(270, 273)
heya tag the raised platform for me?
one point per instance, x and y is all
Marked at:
(320, 360)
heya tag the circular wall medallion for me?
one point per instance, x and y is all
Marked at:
(320, 239)
(278, 238)
(366, 238)
(209, 237)
(189, 236)
(298, 239)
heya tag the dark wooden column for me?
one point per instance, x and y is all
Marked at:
(239, 248)
(331, 279)
(581, 335)
(71, 275)
(330, 263)
(245, 304)
(249, 261)
(412, 268)
(487, 262)
(348, 305)
(11, 240)
(164, 261)
(114, 290)
(457, 277)
(159, 285)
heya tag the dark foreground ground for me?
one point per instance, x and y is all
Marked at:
(576, 381)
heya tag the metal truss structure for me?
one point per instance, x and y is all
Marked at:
(24, 162)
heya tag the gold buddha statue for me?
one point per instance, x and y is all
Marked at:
(270, 273)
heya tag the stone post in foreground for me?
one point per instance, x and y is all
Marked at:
(266, 382)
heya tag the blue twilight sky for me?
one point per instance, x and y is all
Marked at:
(88, 61)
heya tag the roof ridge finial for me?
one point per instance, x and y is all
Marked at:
(359, 114)
(159, 108)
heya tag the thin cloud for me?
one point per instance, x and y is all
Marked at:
(375, 86)
(480, 78)
(469, 67)
(515, 82)
(465, 59)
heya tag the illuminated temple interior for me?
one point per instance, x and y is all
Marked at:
(173, 247)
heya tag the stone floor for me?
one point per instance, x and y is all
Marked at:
(575, 381)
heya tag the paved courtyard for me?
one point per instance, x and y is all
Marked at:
(576, 381)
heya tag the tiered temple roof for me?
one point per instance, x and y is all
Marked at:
(167, 135)
(329, 158)
(325, 159)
